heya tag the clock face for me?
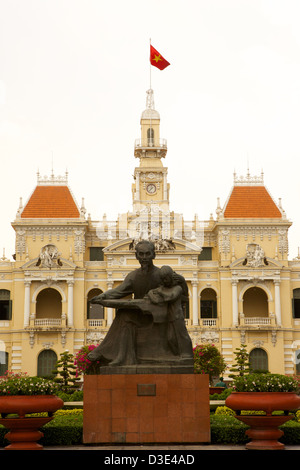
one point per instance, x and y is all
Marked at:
(151, 188)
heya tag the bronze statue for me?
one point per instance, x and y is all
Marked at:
(150, 328)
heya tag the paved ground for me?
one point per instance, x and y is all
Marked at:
(164, 448)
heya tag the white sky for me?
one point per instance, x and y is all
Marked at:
(73, 81)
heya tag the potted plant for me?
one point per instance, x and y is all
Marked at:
(268, 393)
(21, 395)
(208, 360)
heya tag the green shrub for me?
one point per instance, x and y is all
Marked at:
(227, 430)
(291, 434)
(221, 396)
(65, 429)
(66, 397)
(224, 410)
(208, 360)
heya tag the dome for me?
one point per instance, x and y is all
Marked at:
(150, 114)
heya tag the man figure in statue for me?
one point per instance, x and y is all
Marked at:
(119, 347)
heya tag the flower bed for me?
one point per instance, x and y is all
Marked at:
(22, 384)
(265, 383)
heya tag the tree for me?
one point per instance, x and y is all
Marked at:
(65, 372)
(208, 360)
(242, 364)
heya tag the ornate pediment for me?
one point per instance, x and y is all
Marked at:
(255, 258)
(49, 258)
(161, 246)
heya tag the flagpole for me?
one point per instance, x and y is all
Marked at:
(150, 64)
(150, 135)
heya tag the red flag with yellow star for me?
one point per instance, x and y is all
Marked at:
(157, 59)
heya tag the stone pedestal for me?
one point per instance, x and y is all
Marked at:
(146, 408)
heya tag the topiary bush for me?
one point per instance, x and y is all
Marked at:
(291, 434)
(227, 429)
(224, 411)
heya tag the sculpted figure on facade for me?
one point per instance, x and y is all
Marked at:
(255, 256)
(49, 257)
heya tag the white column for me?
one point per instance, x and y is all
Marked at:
(70, 303)
(27, 303)
(235, 309)
(195, 303)
(277, 302)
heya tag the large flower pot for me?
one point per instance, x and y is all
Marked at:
(263, 432)
(24, 431)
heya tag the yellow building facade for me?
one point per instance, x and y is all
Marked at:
(243, 289)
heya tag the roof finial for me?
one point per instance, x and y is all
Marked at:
(150, 99)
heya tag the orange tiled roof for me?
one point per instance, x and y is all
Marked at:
(51, 202)
(251, 202)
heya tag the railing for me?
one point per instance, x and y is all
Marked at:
(48, 322)
(260, 321)
(257, 321)
(94, 323)
(208, 322)
(156, 143)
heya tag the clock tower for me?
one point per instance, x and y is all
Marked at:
(150, 187)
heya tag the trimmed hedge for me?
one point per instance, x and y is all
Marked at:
(226, 429)
(66, 429)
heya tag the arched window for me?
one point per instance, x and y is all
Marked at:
(46, 363)
(48, 304)
(255, 303)
(150, 137)
(296, 303)
(94, 311)
(258, 359)
(208, 304)
(5, 305)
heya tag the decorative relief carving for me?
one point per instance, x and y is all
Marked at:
(49, 257)
(224, 241)
(79, 243)
(283, 241)
(255, 256)
(93, 337)
(161, 245)
(210, 336)
(20, 242)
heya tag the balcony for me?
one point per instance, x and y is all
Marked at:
(261, 322)
(207, 322)
(148, 147)
(48, 323)
(96, 323)
(150, 143)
